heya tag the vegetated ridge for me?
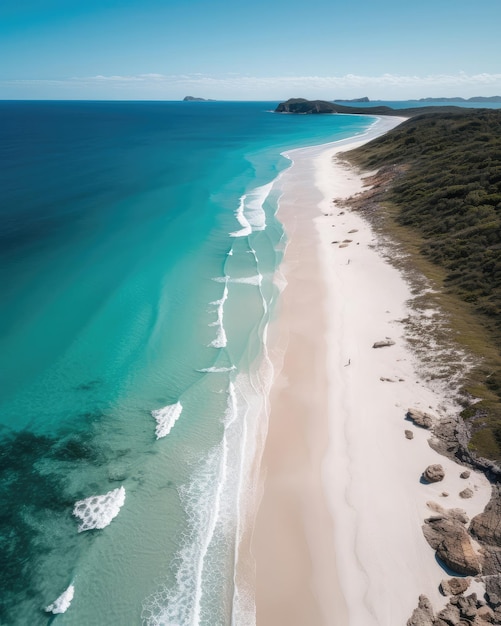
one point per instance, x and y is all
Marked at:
(300, 105)
(445, 191)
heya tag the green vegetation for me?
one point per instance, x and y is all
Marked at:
(300, 105)
(444, 203)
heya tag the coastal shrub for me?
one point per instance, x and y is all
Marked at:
(448, 191)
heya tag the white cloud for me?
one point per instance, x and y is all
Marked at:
(244, 87)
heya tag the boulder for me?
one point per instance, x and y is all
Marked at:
(485, 615)
(423, 615)
(409, 434)
(420, 418)
(491, 565)
(486, 526)
(384, 343)
(465, 474)
(467, 606)
(449, 615)
(493, 590)
(434, 473)
(449, 538)
(466, 493)
(459, 611)
(454, 586)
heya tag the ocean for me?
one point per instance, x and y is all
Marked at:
(140, 270)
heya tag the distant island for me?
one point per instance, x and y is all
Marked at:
(455, 99)
(364, 99)
(193, 99)
(474, 99)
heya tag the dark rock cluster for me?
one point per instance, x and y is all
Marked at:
(460, 611)
(447, 533)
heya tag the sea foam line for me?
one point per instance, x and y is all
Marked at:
(217, 370)
(202, 500)
(221, 340)
(244, 280)
(242, 220)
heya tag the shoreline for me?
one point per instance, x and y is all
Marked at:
(337, 537)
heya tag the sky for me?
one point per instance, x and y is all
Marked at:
(249, 50)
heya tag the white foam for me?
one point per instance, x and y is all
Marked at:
(242, 220)
(244, 280)
(249, 280)
(62, 604)
(181, 605)
(250, 213)
(221, 340)
(217, 370)
(99, 511)
(219, 491)
(253, 209)
(204, 500)
(166, 418)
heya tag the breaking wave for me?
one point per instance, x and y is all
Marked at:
(166, 418)
(97, 512)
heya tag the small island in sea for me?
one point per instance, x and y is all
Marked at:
(431, 99)
(459, 99)
(195, 99)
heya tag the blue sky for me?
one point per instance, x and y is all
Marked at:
(222, 49)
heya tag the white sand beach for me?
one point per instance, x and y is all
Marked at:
(338, 537)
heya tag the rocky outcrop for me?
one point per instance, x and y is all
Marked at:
(486, 527)
(451, 437)
(493, 591)
(460, 608)
(420, 418)
(423, 615)
(460, 611)
(446, 533)
(433, 473)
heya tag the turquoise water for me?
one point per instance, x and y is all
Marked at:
(139, 250)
